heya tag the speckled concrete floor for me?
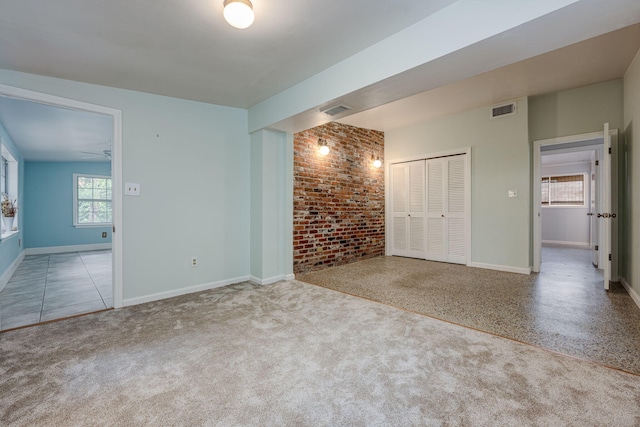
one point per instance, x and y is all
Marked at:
(564, 308)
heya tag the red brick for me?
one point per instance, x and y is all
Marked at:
(338, 199)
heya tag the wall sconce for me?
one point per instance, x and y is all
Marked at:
(376, 162)
(238, 13)
(324, 148)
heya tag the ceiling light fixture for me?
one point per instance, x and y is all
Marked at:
(376, 162)
(324, 148)
(238, 13)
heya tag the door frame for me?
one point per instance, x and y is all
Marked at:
(536, 185)
(387, 185)
(116, 170)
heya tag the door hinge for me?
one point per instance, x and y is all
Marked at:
(597, 162)
(596, 247)
(114, 228)
(609, 257)
(609, 150)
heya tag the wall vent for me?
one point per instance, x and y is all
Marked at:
(503, 110)
(335, 109)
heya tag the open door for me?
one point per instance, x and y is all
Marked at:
(593, 209)
(605, 217)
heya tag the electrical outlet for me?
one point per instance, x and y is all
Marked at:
(131, 189)
(194, 261)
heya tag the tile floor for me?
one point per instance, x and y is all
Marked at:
(48, 287)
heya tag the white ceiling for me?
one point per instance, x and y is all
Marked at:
(54, 134)
(186, 50)
(566, 158)
(595, 60)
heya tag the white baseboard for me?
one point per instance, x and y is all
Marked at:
(6, 276)
(71, 248)
(563, 243)
(270, 280)
(183, 291)
(634, 295)
(506, 268)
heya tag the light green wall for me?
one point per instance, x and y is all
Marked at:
(630, 268)
(271, 206)
(500, 162)
(192, 163)
(579, 111)
(576, 111)
(257, 169)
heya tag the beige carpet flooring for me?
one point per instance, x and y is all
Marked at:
(564, 308)
(294, 354)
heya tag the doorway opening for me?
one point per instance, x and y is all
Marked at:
(97, 265)
(573, 192)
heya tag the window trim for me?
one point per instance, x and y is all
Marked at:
(75, 201)
(585, 183)
(12, 177)
(4, 174)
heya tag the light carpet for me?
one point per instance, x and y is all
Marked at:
(564, 309)
(294, 354)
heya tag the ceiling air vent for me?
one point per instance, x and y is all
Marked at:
(335, 109)
(503, 110)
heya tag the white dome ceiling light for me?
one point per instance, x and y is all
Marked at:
(238, 13)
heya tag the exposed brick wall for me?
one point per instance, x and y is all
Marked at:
(338, 199)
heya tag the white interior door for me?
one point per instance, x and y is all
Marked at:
(436, 221)
(456, 211)
(408, 209)
(446, 209)
(593, 209)
(399, 208)
(604, 217)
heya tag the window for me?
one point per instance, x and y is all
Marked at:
(563, 190)
(4, 166)
(92, 200)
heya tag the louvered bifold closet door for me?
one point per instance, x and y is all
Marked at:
(446, 209)
(455, 212)
(416, 208)
(399, 208)
(407, 200)
(435, 211)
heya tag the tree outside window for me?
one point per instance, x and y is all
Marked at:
(92, 200)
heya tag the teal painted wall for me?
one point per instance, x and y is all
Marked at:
(11, 247)
(48, 205)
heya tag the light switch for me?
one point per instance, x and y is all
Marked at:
(513, 193)
(131, 189)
